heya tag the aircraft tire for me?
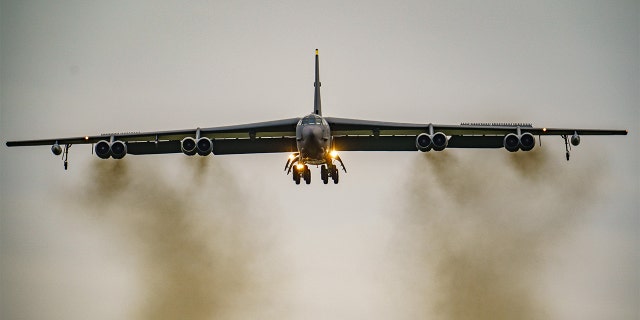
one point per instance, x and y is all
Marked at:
(307, 175)
(324, 174)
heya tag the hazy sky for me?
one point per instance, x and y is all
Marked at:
(402, 236)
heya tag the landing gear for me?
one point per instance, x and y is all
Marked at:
(65, 156)
(329, 171)
(302, 174)
(296, 176)
(575, 141)
(300, 170)
(324, 174)
(334, 174)
(307, 175)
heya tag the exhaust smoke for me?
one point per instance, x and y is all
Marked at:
(479, 230)
(196, 245)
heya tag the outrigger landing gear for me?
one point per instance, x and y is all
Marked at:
(65, 156)
(575, 141)
(567, 146)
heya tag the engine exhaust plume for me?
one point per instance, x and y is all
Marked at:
(193, 237)
(478, 230)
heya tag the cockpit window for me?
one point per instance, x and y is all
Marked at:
(312, 119)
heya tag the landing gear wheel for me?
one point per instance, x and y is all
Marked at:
(324, 174)
(334, 175)
(296, 176)
(307, 175)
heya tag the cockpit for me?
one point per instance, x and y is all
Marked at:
(312, 119)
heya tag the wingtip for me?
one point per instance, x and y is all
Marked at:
(316, 52)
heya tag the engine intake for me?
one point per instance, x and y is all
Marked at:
(511, 142)
(118, 149)
(204, 146)
(527, 141)
(188, 146)
(103, 149)
(423, 142)
(439, 141)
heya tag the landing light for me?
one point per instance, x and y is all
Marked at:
(86, 138)
(291, 156)
(333, 154)
(544, 129)
(300, 166)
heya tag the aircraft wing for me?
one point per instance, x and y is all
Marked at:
(260, 137)
(365, 135)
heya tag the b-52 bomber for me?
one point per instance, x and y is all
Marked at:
(315, 140)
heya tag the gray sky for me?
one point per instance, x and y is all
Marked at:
(72, 68)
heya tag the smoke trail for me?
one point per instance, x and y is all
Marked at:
(195, 243)
(479, 229)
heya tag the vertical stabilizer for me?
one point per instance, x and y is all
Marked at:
(317, 108)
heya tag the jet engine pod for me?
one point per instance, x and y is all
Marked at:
(423, 142)
(575, 139)
(188, 146)
(511, 142)
(103, 149)
(204, 146)
(439, 141)
(118, 149)
(56, 149)
(527, 141)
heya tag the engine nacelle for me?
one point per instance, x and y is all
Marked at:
(575, 139)
(423, 142)
(439, 141)
(188, 146)
(103, 149)
(56, 149)
(527, 141)
(118, 149)
(204, 146)
(511, 142)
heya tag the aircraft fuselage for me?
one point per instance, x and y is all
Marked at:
(313, 139)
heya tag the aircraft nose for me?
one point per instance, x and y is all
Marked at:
(312, 134)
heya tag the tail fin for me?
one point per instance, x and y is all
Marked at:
(317, 108)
